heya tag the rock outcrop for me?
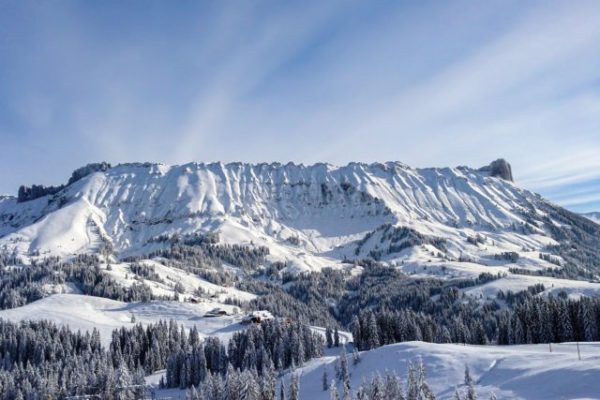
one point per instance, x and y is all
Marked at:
(499, 168)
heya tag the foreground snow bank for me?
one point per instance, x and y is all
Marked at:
(512, 372)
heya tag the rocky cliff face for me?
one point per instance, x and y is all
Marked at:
(499, 168)
(310, 216)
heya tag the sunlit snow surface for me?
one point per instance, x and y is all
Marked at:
(327, 208)
(512, 372)
(527, 372)
(84, 313)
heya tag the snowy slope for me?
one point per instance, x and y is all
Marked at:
(593, 216)
(122, 273)
(84, 313)
(574, 288)
(331, 213)
(528, 372)
(512, 372)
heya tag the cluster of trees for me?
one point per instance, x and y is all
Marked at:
(241, 385)
(38, 360)
(382, 288)
(145, 271)
(23, 285)
(248, 385)
(510, 256)
(532, 320)
(41, 360)
(305, 297)
(27, 193)
(550, 258)
(578, 241)
(272, 345)
(550, 319)
(199, 251)
(33, 192)
(476, 240)
(149, 348)
(374, 329)
(394, 239)
(332, 298)
(389, 387)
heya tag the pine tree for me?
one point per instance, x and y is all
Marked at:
(192, 394)
(456, 395)
(269, 385)
(566, 326)
(471, 394)
(123, 383)
(412, 385)
(344, 373)
(372, 334)
(425, 392)
(377, 388)
(355, 356)
(346, 394)
(281, 390)
(294, 387)
(333, 394)
(252, 388)
(329, 337)
(589, 330)
(393, 387)
(325, 379)
(356, 332)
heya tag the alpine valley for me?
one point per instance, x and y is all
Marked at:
(217, 280)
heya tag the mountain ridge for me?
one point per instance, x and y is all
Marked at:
(309, 217)
(594, 216)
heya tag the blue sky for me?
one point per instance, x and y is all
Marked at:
(426, 83)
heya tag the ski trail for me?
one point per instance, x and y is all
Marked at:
(491, 368)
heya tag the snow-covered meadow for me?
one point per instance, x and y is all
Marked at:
(525, 372)
(84, 313)
(529, 372)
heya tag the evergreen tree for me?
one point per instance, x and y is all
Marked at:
(456, 395)
(281, 390)
(393, 387)
(346, 393)
(333, 394)
(329, 337)
(471, 394)
(355, 356)
(294, 387)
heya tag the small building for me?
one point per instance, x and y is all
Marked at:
(256, 317)
(216, 312)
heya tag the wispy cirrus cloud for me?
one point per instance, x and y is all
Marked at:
(426, 83)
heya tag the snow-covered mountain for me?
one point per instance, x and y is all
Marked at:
(310, 217)
(207, 245)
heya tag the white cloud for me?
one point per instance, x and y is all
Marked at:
(426, 84)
